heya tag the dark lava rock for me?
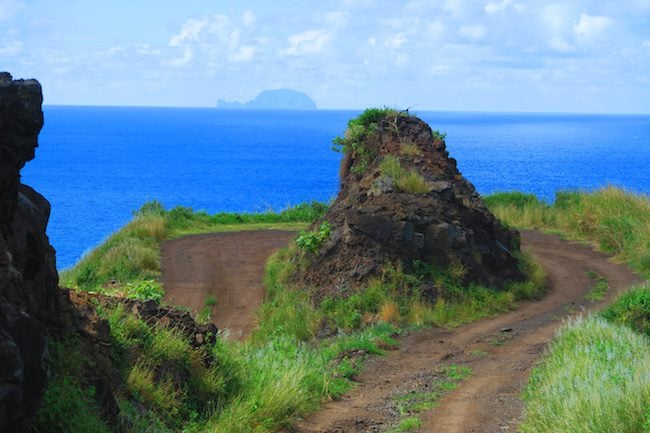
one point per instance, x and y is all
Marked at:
(28, 277)
(375, 223)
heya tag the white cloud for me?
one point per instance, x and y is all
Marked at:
(560, 44)
(495, 7)
(337, 19)
(435, 30)
(147, 50)
(473, 33)
(591, 26)
(10, 47)
(10, 8)
(372, 41)
(189, 32)
(439, 69)
(246, 53)
(395, 41)
(308, 42)
(248, 18)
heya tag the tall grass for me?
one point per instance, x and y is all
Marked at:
(596, 379)
(617, 220)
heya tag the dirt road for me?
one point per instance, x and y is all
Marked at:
(500, 351)
(226, 266)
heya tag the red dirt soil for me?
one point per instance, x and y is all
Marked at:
(228, 266)
(500, 351)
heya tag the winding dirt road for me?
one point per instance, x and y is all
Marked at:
(500, 351)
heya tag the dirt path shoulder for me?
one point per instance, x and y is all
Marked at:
(226, 266)
(500, 352)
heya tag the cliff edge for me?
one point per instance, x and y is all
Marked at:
(28, 279)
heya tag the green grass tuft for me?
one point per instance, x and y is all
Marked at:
(595, 379)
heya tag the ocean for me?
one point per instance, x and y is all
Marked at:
(97, 165)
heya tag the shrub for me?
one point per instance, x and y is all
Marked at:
(631, 309)
(312, 241)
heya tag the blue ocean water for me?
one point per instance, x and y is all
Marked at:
(97, 165)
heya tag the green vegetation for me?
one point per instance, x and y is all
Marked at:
(69, 404)
(394, 298)
(632, 309)
(595, 379)
(128, 262)
(359, 130)
(618, 221)
(416, 401)
(312, 241)
(599, 289)
(405, 180)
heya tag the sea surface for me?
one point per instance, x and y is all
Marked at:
(97, 165)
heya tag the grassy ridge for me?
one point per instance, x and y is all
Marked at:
(596, 375)
(130, 258)
(283, 371)
(618, 221)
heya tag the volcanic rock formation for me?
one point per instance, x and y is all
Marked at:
(403, 200)
(28, 277)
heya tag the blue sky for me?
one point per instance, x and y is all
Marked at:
(477, 55)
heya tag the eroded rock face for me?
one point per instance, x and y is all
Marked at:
(28, 277)
(376, 221)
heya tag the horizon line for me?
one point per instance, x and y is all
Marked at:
(429, 110)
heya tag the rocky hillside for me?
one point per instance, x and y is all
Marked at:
(403, 202)
(28, 279)
(37, 317)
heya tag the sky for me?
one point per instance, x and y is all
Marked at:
(589, 56)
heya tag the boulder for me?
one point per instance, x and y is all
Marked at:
(380, 218)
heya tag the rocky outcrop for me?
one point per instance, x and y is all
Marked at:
(28, 277)
(403, 201)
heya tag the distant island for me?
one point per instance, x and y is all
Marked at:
(278, 99)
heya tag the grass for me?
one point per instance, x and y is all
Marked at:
(599, 289)
(69, 404)
(632, 309)
(427, 395)
(616, 220)
(595, 379)
(409, 181)
(128, 262)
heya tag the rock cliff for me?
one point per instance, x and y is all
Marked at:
(28, 279)
(403, 201)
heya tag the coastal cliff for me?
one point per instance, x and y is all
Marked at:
(28, 278)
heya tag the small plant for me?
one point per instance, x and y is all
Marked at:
(359, 128)
(312, 241)
(599, 289)
(437, 135)
(210, 301)
(145, 290)
(410, 149)
(405, 180)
